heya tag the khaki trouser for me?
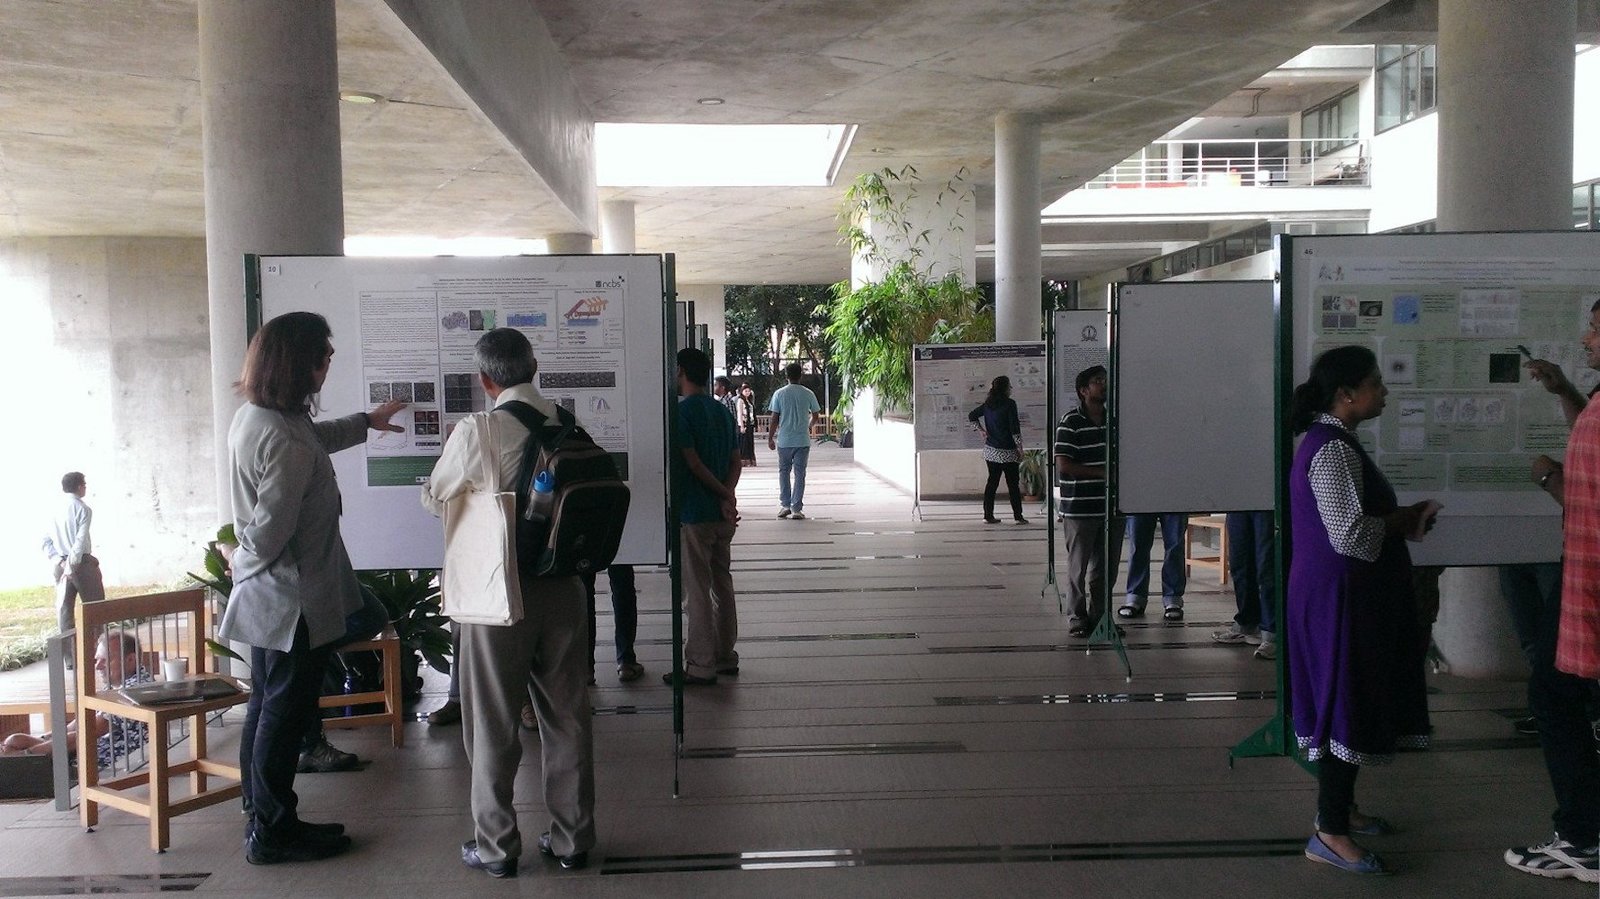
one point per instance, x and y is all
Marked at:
(708, 598)
(551, 642)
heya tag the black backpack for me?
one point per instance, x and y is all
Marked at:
(577, 528)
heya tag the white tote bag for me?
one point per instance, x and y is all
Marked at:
(480, 583)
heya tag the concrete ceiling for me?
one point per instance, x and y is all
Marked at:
(100, 130)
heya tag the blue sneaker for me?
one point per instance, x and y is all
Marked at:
(1318, 851)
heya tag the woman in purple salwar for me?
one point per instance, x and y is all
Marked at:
(1356, 680)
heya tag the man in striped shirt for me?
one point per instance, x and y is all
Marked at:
(1080, 451)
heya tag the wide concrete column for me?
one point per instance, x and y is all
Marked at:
(569, 244)
(1505, 164)
(616, 227)
(1017, 266)
(269, 84)
(1505, 114)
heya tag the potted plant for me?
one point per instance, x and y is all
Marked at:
(219, 580)
(412, 598)
(1030, 474)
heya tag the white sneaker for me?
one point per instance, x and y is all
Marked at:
(1557, 859)
(1267, 651)
(784, 512)
(1235, 634)
(798, 515)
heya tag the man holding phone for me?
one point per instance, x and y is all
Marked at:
(1547, 601)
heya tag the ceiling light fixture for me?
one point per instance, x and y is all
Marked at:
(361, 98)
(711, 101)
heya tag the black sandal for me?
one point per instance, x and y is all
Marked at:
(1173, 614)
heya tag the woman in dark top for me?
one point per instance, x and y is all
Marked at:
(745, 417)
(997, 419)
(1357, 691)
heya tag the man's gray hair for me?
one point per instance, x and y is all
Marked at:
(506, 357)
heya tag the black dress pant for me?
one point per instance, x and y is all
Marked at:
(283, 707)
(996, 469)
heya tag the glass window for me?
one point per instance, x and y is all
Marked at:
(1582, 207)
(1407, 85)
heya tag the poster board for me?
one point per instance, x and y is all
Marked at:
(1445, 314)
(404, 328)
(949, 380)
(1192, 405)
(1082, 339)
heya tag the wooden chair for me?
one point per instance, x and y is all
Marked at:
(386, 644)
(1216, 523)
(184, 623)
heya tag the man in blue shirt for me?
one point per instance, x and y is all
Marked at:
(707, 473)
(793, 409)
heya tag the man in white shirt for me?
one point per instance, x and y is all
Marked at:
(66, 543)
(551, 641)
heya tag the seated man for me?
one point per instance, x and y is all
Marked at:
(117, 736)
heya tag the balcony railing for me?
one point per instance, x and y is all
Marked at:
(1241, 163)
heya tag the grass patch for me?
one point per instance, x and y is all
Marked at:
(28, 617)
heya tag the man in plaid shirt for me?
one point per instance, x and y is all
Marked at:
(1560, 632)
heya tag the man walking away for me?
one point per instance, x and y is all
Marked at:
(794, 408)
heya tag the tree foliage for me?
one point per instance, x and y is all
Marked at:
(871, 328)
(769, 323)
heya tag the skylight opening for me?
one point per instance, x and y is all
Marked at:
(640, 155)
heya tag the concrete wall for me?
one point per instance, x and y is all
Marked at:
(886, 448)
(108, 369)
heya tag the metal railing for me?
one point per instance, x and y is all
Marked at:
(1241, 163)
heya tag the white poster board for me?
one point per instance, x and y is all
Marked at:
(1446, 314)
(404, 328)
(1192, 394)
(949, 380)
(1082, 340)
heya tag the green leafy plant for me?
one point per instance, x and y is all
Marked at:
(1030, 473)
(220, 580)
(414, 605)
(871, 328)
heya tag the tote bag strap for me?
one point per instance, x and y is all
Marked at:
(489, 457)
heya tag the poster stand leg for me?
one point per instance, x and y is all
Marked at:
(916, 486)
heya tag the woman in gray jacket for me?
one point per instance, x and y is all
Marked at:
(293, 585)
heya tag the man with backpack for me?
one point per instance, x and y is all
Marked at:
(551, 641)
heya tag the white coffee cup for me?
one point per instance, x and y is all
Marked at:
(174, 668)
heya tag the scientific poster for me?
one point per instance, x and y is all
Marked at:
(417, 336)
(950, 380)
(1464, 419)
(1082, 340)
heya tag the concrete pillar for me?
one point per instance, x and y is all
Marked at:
(1505, 114)
(616, 227)
(569, 244)
(944, 211)
(1017, 267)
(269, 85)
(1505, 164)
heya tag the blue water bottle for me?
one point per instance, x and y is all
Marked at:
(543, 500)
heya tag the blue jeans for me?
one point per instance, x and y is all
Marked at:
(792, 462)
(1561, 703)
(1174, 566)
(1250, 549)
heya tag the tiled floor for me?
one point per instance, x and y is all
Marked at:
(911, 719)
